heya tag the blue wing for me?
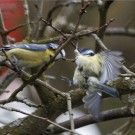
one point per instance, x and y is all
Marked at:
(109, 90)
(33, 47)
(111, 65)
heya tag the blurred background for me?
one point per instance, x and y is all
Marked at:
(124, 14)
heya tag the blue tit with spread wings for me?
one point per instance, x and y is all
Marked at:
(92, 72)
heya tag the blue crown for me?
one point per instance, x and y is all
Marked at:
(86, 51)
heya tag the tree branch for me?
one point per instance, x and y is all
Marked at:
(59, 104)
(36, 25)
(103, 7)
(120, 31)
(2, 29)
(35, 116)
(89, 119)
(80, 34)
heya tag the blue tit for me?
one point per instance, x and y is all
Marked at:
(92, 72)
(31, 55)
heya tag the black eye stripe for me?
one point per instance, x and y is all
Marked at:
(61, 53)
(91, 54)
(80, 69)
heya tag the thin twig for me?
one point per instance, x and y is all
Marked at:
(45, 84)
(98, 40)
(127, 70)
(50, 24)
(58, 30)
(126, 75)
(57, 6)
(16, 27)
(35, 116)
(2, 29)
(69, 104)
(66, 4)
(22, 100)
(4, 32)
(119, 31)
(79, 34)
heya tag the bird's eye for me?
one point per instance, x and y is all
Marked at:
(80, 69)
(91, 54)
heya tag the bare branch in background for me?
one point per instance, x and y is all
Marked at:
(125, 129)
(4, 33)
(15, 28)
(35, 116)
(80, 34)
(36, 25)
(102, 46)
(2, 29)
(103, 7)
(27, 13)
(57, 6)
(120, 31)
(111, 31)
(59, 31)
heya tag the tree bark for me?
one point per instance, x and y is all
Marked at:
(55, 105)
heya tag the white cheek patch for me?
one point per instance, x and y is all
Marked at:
(62, 54)
(53, 46)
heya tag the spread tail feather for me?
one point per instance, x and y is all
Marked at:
(92, 102)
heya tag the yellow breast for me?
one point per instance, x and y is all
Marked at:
(91, 64)
(31, 58)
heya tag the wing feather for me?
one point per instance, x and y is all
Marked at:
(33, 47)
(111, 65)
(92, 102)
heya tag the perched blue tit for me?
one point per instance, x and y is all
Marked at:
(92, 72)
(31, 55)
